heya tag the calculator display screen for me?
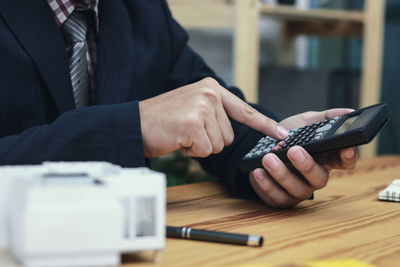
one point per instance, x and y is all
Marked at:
(345, 125)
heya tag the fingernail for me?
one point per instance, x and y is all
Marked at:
(297, 155)
(282, 132)
(258, 176)
(271, 163)
(349, 154)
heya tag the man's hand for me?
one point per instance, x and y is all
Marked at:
(279, 187)
(194, 120)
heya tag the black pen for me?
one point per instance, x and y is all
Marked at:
(214, 236)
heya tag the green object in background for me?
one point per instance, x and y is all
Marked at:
(180, 169)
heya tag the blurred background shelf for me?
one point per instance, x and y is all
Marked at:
(242, 17)
(290, 12)
(203, 14)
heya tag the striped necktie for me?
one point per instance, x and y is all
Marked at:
(75, 29)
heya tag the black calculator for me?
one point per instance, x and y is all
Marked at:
(353, 129)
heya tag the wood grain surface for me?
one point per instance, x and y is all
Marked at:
(345, 220)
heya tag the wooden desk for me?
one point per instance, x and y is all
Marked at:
(344, 221)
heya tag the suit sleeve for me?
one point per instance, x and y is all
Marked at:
(188, 67)
(99, 133)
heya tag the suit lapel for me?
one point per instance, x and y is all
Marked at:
(114, 68)
(34, 26)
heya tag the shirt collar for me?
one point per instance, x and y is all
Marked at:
(62, 9)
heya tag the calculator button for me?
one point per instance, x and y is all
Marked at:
(278, 146)
(324, 128)
(266, 150)
(275, 148)
(266, 141)
(258, 153)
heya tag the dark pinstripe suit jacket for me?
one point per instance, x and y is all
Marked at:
(142, 52)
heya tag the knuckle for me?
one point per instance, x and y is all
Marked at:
(202, 152)
(219, 147)
(229, 139)
(210, 81)
(282, 201)
(221, 144)
(207, 151)
(301, 194)
(320, 183)
(310, 114)
(249, 110)
(228, 134)
(281, 175)
(210, 95)
(184, 141)
(202, 108)
(308, 166)
(192, 122)
(247, 113)
(266, 186)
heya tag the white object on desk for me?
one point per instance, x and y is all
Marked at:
(81, 214)
(392, 192)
